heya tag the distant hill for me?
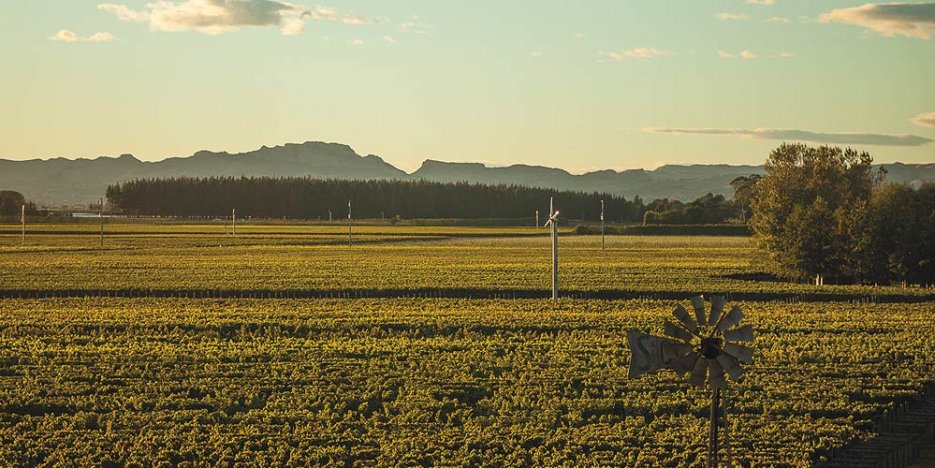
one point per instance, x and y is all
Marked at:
(63, 181)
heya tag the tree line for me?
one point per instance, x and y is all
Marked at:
(307, 198)
(826, 213)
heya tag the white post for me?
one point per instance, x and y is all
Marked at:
(602, 224)
(101, 215)
(553, 222)
(350, 239)
(22, 220)
(537, 218)
(233, 222)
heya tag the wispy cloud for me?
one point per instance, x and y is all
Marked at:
(744, 54)
(862, 139)
(210, 16)
(926, 119)
(579, 35)
(356, 42)
(389, 39)
(889, 19)
(322, 13)
(637, 53)
(351, 18)
(124, 13)
(414, 25)
(535, 54)
(66, 35)
(761, 2)
(778, 19)
(732, 16)
(786, 55)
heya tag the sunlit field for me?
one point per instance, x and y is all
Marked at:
(420, 345)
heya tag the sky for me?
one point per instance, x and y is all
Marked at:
(585, 85)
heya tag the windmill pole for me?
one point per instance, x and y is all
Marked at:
(713, 434)
(22, 220)
(602, 224)
(350, 239)
(554, 224)
(101, 215)
(537, 218)
(233, 222)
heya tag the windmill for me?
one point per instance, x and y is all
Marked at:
(350, 239)
(553, 222)
(703, 347)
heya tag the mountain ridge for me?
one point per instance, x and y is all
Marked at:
(62, 181)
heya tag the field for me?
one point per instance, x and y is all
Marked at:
(445, 354)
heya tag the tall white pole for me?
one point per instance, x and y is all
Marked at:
(233, 221)
(537, 218)
(22, 220)
(602, 224)
(101, 215)
(554, 223)
(350, 239)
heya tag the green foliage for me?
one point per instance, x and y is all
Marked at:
(708, 209)
(11, 203)
(801, 207)
(895, 235)
(154, 382)
(306, 198)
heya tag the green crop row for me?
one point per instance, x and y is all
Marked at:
(440, 382)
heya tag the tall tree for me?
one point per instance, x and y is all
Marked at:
(11, 202)
(802, 206)
(743, 193)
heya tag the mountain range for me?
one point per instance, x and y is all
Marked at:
(61, 181)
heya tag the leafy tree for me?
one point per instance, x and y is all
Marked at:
(11, 202)
(743, 193)
(802, 207)
(895, 235)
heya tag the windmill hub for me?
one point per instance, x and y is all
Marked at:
(711, 347)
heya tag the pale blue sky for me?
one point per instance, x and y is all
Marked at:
(579, 85)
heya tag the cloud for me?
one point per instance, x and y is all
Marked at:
(102, 37)
(356, 42)
(926, 119)
(862, 139)
(65, 35)
(351, 18)
(414, 25)
(779, 19)
(321, 12)
(761, 2)
(579, 35)
(213, 16)
(535, 54)
(890, 19)
(732, 16)
(786, 55)
(637, 53)
(389, 39)
(293, 27)
(744, 54)
(124, 13)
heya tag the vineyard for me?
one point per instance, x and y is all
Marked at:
(390, 379)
